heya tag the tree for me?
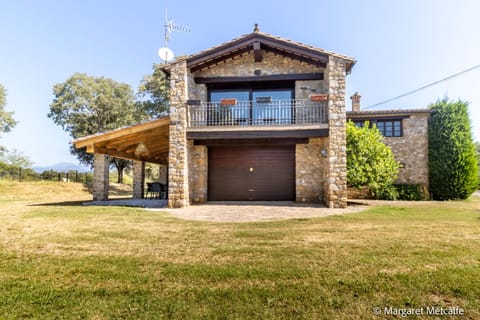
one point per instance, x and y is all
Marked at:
(153, 94)
(477, 148)
(452, 158)
(121, 165)
(370, 163)
(85, 105)
(16, 158)
(6, 118)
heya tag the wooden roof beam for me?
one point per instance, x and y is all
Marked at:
(134, 140)
(257, 51)
(118, 133)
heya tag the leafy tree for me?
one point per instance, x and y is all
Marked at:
(153, 94)
(121, 165)
(16, 158)
(85, 105)
(6, 118)
(477, 148)
(452, 159)
(370, 163)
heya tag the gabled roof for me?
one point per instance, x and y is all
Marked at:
(257, 41)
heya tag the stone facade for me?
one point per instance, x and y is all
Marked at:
(198, 169)
(318, 177)
(355, 193)
(336, 181)
(178, 190)
(245, 65)
(304, 88)
(101, 166)
(310, 171)
(411, 150)
(138, 179)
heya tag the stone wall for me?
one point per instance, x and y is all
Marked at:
(177, 155)
(304, 88)
(310, 172)
(138, 179)
(198, 170)
(411, 150)
(245, 66)
(327, 184)
(355, 193)
(336, 182)
(100, 177)
(196, 91)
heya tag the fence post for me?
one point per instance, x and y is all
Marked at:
(76, 175)
(20, 174)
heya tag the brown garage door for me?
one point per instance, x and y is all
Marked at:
(251, 173)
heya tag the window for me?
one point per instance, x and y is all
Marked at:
(388, 128)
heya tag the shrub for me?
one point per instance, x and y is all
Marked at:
(387, 192)
(452, 158)
(370, 163)
(413, 192)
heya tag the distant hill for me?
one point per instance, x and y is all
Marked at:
(62, 167)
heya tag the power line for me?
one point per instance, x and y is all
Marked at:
(424, 87)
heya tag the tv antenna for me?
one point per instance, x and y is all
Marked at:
(165, 53)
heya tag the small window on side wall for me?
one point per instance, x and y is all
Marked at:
(388, 128)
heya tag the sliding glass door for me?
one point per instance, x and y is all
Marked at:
(251, 106)
(271, 107)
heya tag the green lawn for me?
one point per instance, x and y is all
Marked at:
(59, 260)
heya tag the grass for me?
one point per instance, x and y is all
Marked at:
(59, 260)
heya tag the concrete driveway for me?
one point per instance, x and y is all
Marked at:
(256, 211)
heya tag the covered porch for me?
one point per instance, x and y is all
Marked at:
(141, 143)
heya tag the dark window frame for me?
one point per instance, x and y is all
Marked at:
(383, 127)
(250, 87)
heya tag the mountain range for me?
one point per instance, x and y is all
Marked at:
(62, 167)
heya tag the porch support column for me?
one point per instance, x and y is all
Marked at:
(336, 171)
(138, 179)
(178, 196)
(100, 177)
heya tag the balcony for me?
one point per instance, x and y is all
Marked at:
(262, 112)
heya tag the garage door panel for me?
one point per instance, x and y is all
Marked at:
(252, 173)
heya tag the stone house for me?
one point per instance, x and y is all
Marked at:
(257, 118)
(406, 133)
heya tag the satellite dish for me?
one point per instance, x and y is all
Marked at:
(165, 54)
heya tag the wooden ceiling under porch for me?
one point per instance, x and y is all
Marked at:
(147, 141)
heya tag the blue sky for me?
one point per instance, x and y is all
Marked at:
(399, 46)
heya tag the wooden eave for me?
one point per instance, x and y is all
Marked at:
(259, 42)
(255, 42)
(123, 142)
(390, 114)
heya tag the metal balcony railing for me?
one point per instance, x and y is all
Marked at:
(257, 113)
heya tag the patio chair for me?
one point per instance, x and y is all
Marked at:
(154, 189)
